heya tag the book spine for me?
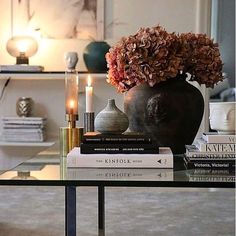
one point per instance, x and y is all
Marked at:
(210, 178)
(143, 140)
(219, 138)
(215, 147)
(115, 148)
(165, 161)
(211, 164)
(211, 156)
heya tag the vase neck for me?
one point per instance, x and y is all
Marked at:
(111, 103)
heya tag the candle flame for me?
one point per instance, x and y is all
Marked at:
(89, 80)
(72, 104)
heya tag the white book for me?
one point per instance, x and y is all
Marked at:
(213, 137)
(162, 160)
(119, 174)
(21, 68)
(203, 146)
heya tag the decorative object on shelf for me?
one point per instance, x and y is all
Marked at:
(111, 120)
(222, 117)
(89, 113)
(158, 61)
(69, 136)
(24, 106)
(22, 47)
(94, 56)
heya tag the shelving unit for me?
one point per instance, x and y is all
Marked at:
(46, 75)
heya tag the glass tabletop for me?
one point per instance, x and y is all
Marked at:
(52, 170)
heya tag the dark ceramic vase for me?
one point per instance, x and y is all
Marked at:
(94, 56)
(171, 112)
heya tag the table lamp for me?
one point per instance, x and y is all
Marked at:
(22, 47)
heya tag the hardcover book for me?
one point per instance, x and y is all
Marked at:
(209, 164)
(162, 160)
(113, 148)
(213, 137)
(193, 152)
(203, 146)
(95, 137)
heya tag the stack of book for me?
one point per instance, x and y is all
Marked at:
(211, 151)
(23, 129)
(119, 151)
(96, 143)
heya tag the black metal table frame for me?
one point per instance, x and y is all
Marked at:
(70, 194)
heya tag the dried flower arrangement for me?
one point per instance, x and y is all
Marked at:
(153, 55)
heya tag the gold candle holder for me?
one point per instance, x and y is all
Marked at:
(70, 136)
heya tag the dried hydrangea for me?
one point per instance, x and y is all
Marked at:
(153, 55)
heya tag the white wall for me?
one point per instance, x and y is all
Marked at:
(127, 18)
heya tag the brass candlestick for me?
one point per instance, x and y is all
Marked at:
(70, 136)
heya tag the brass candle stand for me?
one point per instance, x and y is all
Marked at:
(70, 136)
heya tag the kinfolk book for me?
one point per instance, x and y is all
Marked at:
(162, 160)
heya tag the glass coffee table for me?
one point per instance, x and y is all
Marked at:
(36, 172)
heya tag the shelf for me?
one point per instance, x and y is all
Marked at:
(46, 75)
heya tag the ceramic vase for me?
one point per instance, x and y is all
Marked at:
(94, 56)
(171, 112)
(24, 106)
(111, 120)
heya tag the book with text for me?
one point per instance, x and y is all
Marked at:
(162, 160)
(203, 146)
(94, 137)
(113, 148)
(214, 164)
(193, 152)
(213, 137)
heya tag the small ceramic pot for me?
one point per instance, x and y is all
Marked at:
(222, 117)
(24, 106)
(111, 120)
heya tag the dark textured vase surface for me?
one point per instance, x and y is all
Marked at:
(94, 56)
(170, 111)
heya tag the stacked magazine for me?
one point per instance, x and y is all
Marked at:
(212, 151)
(23, 129)
(119, 151)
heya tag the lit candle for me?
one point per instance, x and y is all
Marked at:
(89, 95)
(71, 93)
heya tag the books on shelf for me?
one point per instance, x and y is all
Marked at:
(21, 68)
(206, 153)
(23, 129)
(162, 160)
(213, 137)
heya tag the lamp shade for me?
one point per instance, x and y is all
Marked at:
(22, 47)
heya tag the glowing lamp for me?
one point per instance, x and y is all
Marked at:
(22, 47)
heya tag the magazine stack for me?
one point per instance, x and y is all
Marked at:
(23, 129)
(212, 151)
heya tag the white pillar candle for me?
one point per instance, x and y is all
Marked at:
(89, 95)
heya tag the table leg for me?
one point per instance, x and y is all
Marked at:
(70, 211)
(101, 211)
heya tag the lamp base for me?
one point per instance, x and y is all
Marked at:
(69, 138)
